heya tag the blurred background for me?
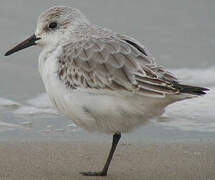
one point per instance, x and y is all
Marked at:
(179, 34)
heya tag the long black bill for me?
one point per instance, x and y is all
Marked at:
(31, 41)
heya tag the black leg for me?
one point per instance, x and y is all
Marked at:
(116, 138)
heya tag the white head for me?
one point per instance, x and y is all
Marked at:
(54, 25)
(58, 22)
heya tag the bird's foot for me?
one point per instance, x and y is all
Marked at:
(101, 173)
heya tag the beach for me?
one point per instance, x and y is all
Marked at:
(134, 161)
(38, 143)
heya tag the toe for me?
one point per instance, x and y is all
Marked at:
(93, 173)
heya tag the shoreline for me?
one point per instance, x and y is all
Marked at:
(64, 160)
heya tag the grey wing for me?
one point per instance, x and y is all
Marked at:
(113, 63)
(161, 72)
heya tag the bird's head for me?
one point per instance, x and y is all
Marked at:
(55, 25)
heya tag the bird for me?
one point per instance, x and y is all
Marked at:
(104, 81)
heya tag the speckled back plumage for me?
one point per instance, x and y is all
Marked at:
(110, 62)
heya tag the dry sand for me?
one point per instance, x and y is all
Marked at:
(64, 160)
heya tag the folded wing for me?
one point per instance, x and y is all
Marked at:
(115, 63)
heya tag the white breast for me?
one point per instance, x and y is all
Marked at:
(48, 70)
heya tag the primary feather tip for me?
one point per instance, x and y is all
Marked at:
(191, 89)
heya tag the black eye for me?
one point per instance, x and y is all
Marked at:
(53, 25)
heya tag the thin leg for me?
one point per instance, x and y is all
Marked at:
(116, 138)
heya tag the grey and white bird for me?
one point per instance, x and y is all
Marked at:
(104, 81)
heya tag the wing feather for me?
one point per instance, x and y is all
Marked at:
(113, 63)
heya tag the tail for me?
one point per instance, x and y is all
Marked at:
(190, 89)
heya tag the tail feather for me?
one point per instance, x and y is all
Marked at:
(190, 89)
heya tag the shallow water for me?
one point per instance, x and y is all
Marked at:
(179, 34)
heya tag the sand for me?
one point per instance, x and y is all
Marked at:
(64, 161)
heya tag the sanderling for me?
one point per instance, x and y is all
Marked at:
(102, 80)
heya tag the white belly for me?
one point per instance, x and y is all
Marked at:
(99, 110)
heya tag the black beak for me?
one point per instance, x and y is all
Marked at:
(31, 41)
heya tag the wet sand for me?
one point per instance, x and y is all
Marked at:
(64, 160)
